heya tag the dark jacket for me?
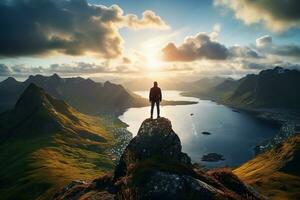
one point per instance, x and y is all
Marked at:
(155, 94)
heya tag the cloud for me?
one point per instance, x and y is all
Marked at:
(243, 52)
(287, 50)
(255, 65)
(177, 67)
(4, 70)
(265, 44)
(77, 68)
(206, 46)
(66, 69)
(277, 15)
(268, 65)
(264, 41)
(149, 19)
(235, 60)
(193, 48)
(72, 27)
(21, 69)
(126, 60)
(289, 65)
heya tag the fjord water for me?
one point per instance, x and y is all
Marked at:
(233, 134)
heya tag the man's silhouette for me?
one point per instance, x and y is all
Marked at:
(155, 98)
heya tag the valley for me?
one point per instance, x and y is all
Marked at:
(51, 137)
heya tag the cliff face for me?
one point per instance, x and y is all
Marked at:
(153, 167)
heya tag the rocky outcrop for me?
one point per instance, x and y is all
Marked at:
(154, 167)
(155, 140)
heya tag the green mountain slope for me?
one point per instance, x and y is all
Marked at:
(270, 88)
(45, 143)
(275, 173)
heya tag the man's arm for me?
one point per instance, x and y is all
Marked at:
(150, 94)
(160, 96)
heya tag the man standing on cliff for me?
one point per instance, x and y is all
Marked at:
(155, 98)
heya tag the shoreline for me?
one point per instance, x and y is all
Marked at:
(286, 120)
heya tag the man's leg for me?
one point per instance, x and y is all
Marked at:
(152, 106)
(158, 110)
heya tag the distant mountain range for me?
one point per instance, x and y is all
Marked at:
(45, 143)
(272, 88)
(85, 95)
(146, 83)
(173, 84)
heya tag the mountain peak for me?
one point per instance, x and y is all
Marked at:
(32, 98)
(275, 70)
(9, 81)
(55, 76)
(107, 83)
(35, 77)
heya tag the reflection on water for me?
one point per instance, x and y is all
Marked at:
(233, 134)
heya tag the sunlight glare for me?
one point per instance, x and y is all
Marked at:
(150, 49)
(153, 62)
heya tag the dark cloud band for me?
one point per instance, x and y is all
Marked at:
(277, 15)
(67, 26)
(202, 46)
(193, 48)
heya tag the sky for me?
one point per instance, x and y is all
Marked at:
(120, 40)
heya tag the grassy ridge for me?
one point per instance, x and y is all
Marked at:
(276, 172)
(46, 144)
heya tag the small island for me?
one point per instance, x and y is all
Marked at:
(212, 157)
(236, 110)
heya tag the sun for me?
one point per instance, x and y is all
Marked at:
(153, 62)
(152, 58)
(150, 49)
